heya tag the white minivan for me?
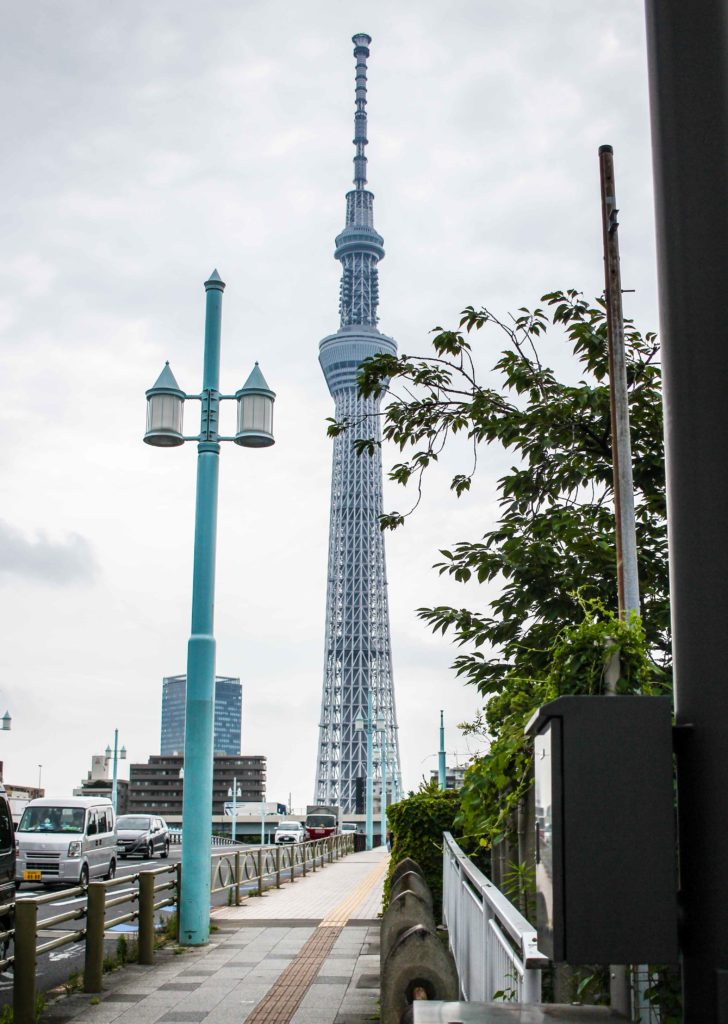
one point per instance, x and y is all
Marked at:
(68, 840)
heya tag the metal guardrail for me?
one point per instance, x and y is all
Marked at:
(243, 868)
(93, 910)
(251, 866)
(175, 838)
(494, 946)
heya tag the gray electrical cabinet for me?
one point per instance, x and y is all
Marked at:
(606, 871)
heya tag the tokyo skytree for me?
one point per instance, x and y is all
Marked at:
(357, 657)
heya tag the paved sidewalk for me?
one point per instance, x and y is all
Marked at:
(306, 954)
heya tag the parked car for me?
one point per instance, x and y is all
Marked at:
(142, 835)
(68, 839)
(289, 832)
(348, 827)
(7, 868)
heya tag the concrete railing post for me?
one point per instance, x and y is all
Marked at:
(237, 879)
(260, 871)
(278, 867)
(94, 958)
(146, 917)
(26, 930)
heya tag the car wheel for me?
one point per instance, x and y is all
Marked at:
(165, 851)
(111, 873)
(150, 851)
(83, 877)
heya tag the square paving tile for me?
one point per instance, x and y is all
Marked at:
(184, 1016)
(368, 981)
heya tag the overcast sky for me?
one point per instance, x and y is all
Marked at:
(145, 144)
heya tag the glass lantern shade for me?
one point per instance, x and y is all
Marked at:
(165, 405)
(381, 723)
(255, 412)
(122, 753)
(7, 721)
(358, 724)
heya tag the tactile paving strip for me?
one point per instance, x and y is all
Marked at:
(285, 996)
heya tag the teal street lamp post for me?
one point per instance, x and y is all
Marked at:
(235, 791)
(383, 801)
(441, 770)
(117, 756)
(362, 724)
(165, 403)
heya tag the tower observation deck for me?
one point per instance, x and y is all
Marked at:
(358, 656)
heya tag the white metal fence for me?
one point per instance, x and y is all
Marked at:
(495, 947)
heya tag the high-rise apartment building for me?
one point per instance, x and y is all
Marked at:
(228, 715)
(157, 786)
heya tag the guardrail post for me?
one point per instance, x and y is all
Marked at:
(278, 867)
(94, 959)
(313, 856)
(260, 871)
(26, 930)
(237, 879)
(179, 896)
(304, 857)
(146, 917)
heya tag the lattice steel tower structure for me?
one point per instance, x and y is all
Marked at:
(358, 656)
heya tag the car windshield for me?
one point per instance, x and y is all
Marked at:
(289, 824)
(132, 822)
(52, 819)
(320, 821)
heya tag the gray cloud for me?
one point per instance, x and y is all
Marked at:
(56, 562)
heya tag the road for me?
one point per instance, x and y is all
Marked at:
(55, 967)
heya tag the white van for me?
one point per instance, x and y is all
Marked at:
(69, 840)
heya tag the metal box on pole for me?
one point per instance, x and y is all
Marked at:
(606, 872)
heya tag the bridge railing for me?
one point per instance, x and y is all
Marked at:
(495, 947)
(98, 898)
(243, 870)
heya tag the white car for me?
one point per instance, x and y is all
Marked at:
(289, 832)
(348, 827)
(69, 840)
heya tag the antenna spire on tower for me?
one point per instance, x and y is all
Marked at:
(361, 43)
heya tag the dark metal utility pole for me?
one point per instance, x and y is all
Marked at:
(688, 66)
(628, 589)
(627, 576)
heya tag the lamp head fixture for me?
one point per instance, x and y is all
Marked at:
(165, 405)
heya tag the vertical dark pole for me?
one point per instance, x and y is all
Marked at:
(689, 106)
(627, 575)
(24, 969)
